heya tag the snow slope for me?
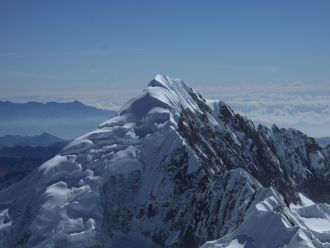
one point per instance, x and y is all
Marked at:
(174, 170)
(269, 223)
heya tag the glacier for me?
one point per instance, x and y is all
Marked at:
(173, 169)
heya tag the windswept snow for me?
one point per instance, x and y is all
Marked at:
(269, 223)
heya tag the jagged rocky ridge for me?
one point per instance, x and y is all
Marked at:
(175, 170)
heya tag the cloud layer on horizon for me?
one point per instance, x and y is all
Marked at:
(294, 104)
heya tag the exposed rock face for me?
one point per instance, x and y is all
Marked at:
(283, 158)
(173, 170)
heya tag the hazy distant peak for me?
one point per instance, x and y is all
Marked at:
(43, 139)
(63, 119)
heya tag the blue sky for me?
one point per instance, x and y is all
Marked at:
(80, 49)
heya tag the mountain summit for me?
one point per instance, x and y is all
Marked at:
(173, 169)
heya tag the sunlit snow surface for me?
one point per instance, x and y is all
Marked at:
(94, 187)
(231, 244)
(263, 226)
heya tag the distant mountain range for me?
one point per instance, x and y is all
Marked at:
(324, 141)
(66, 120)
(19, 155)
(44, 139)
(47, 110)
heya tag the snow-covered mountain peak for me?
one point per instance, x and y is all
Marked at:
(172, 84)
(163, 92)
(172, 169)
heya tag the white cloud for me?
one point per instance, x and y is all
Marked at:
(293, 104)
